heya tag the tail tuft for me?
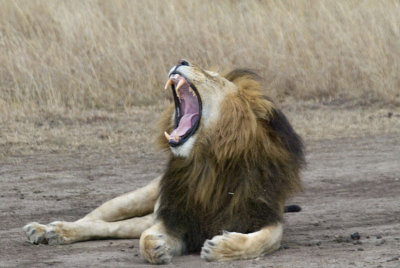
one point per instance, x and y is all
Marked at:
(292, 208)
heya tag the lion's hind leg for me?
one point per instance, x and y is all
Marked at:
(234, 246)
(126, 216)
(61, 232)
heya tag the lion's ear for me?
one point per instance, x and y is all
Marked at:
(235, 132)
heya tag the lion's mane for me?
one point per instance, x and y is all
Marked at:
(240, 173)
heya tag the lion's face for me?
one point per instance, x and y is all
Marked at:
(197, 95)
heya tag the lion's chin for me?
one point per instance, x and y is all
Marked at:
(184, 149)
(187, 110)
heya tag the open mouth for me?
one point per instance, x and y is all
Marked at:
(187, 109)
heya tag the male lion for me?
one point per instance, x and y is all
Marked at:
(234, 160)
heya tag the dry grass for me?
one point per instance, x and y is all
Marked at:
(82, 55)
(73, 73)
(134, 131)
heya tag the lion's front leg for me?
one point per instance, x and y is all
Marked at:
(158, 247)
(234, 246)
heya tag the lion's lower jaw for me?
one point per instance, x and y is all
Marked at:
(184, 149)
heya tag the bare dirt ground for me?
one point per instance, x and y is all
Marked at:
(351, 185)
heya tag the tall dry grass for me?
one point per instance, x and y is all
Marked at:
(82, 55)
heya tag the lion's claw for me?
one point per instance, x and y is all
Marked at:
(51, 234)
(35, 233)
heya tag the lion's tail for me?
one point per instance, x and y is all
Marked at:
(292, 208)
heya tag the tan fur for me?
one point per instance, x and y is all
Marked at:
(236, 246)
(137, 203)
(236, 173)
(158, 246)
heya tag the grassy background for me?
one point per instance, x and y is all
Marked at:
(71, 66)
(115, 54)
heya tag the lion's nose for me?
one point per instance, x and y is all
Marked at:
(183, 62)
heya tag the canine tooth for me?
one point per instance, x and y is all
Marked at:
(178, 94)
(192, 91)
(167, 135)
(176, 137)
(169, 82)
(180, 83)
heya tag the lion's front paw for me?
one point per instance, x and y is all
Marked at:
(35, 232)
(225, 247)
(155, 250)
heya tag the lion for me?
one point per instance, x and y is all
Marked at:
(234, 160)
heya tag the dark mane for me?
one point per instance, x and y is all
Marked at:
(240, 173)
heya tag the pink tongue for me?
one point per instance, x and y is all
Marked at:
(185, 124)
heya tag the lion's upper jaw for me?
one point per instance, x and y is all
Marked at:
(212, 89)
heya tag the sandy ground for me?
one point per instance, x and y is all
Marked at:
(350, 185)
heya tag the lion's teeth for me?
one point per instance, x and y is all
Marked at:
(192, 91)
(176, 137)
(169, 82)
(180, 83)
(167, 135)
